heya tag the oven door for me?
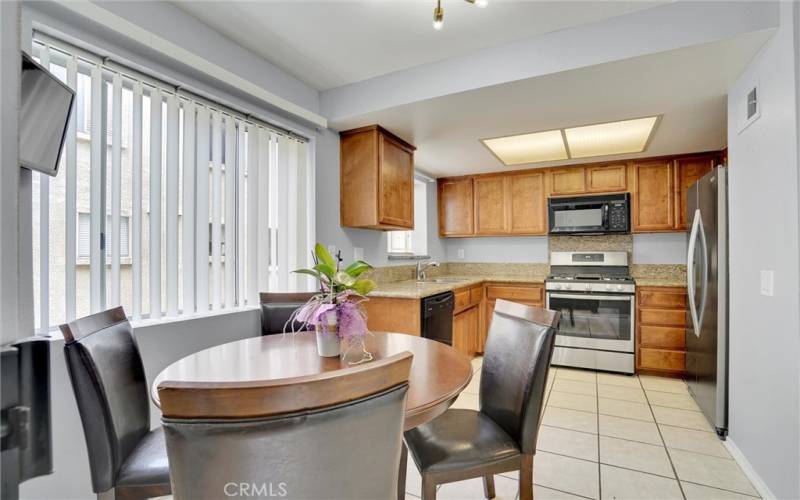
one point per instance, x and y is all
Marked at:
(577, 218)
(594, 321)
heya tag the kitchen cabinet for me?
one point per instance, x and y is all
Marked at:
(567, 181)
(529, 294)
(376, 180)
(467, 319)
(653, 200)
(456, 205)
(660, 330)
(607, 178)
(527, 203)
(389, 314)
(515, 203)
(688, 170)
(491, 208)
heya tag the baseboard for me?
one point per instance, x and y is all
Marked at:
(748, 470)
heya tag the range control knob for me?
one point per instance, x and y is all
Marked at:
(567, 287)
(619, 287)
(557, 286)
(608, 287)
(588, 287)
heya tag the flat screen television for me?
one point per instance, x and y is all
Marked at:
(45, 105)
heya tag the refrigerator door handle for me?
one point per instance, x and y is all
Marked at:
(690, 264)
(706, 265)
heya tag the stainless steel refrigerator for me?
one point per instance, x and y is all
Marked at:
(707, 314)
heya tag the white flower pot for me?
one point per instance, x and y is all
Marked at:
(328, 342)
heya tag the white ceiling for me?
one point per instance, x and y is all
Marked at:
(328, 44)
(687, 87)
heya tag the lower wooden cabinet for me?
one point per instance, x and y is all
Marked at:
(466, 327)
(660, 330)
(389, 314)
(528, 294)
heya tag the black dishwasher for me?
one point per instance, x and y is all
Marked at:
(437, 317)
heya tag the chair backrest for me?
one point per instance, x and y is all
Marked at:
(334, 435)
(514, 370)
(110, 388)
(277, 308)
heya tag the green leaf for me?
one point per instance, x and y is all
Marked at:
(363, 286)
(323, 256)
(357, 268)
(325, 269)
(344, 278)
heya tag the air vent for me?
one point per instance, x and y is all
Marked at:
(752, 103)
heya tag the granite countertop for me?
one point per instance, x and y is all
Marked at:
(659, 274)
(659, 282)
(410, 289)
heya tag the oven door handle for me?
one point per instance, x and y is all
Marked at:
(619, 298)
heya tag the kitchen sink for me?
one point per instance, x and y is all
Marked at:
(440, 280)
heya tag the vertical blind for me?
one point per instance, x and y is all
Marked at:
(165, 203)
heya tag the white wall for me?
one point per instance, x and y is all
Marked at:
(159, 345)
(765, 331)
(517, 249)
(659, 248)
(373, 242)
(9, 170)
(666, 248)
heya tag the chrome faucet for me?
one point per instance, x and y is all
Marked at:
(422, 267)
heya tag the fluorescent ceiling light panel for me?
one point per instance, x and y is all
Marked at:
(528, 148)
(613, 138)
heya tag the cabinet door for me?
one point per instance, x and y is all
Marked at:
(490, 205)
(568, 181)
(606, 178)
(527, 203)
(456, 207)
(653, 197)
(688, 171)
(396, 184)
(487, 322)
(461, 331)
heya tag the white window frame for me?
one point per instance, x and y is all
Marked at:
(413, 243)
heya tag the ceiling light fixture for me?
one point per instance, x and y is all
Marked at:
(438, 16)
(602, 139)
(610, 138)
(438, 11)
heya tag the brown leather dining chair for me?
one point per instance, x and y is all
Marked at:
(277, 308)
(333, 435)
(501, 437)
(126, 458)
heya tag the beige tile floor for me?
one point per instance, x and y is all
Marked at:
(610, 436)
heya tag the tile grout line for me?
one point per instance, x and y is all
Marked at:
(599, 466)
(669, 457)
(721, 489)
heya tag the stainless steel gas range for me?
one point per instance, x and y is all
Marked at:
(595, 294)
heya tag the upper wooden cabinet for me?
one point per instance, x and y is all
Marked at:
(515, 203)
(607, 178)
(653, 207)
(527, 203)
(571, 180)
(491, 207)
(688, 171)
(456, 204)
(376, 180)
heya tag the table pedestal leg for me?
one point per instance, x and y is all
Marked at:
(401, 476)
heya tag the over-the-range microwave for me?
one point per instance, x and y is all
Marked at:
(601, 214)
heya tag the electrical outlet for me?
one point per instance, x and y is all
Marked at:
(358, 253)
(767, 283)
(460, 253)
(332, 250)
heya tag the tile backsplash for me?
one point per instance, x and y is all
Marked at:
(593, 243)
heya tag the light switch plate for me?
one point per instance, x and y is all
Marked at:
(358, 253)
(460, 253)
(332, 250)
(767, 283)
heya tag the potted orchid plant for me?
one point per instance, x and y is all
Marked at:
(336, 312)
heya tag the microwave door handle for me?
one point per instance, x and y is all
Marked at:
(605, 216)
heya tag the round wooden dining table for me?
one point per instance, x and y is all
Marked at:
(438, 372)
